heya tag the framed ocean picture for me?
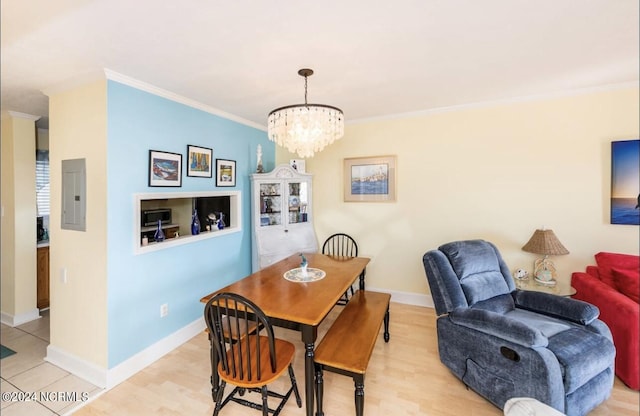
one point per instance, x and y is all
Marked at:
(370, 179)
(165, 168)
(625, 182)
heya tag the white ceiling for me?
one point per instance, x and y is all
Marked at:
(371, 58)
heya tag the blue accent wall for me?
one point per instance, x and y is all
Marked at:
(137, 122)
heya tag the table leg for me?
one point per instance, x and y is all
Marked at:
(309, 335)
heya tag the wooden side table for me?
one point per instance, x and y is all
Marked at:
(561, 288)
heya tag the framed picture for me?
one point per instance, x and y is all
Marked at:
(165, 168)
(199, 161)
(298, 164)
(625, 182)
(225, 172)
(370, 179)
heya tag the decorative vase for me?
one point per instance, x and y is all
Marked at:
(195, 223)
(221, 223)
(159, 235)
(259, 168)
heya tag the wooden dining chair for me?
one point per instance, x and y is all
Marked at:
(344, 245)
(230, 332)
(246, 353)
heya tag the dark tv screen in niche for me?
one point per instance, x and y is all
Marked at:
(213, 205)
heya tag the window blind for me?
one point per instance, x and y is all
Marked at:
(42, 182)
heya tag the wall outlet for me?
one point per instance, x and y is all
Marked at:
(63, 275)
(164, 310)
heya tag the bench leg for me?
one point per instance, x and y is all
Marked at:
(386, 326)
(359, 393)
(319, 389)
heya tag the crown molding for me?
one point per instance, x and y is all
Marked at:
(17, 114)
(152, 89)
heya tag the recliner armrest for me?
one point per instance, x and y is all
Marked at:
(556, 306)
(500, 326)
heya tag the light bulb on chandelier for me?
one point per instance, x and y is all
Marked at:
(305, 129)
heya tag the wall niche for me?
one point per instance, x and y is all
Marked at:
(177, 227)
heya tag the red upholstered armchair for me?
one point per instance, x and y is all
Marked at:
(613, 286)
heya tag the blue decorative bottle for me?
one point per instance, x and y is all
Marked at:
(221, 223)
(195, 223)
(159, 235)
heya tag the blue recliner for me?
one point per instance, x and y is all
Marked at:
(504, 343)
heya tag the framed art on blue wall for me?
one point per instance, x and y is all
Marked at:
(225, 172)
(165, 168)
(199, 161)
(625, 182)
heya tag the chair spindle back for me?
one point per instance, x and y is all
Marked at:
(232, 321)
(340, 244)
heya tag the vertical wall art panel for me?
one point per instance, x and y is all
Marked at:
(625, 182)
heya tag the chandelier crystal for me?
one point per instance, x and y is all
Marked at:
(305, 129)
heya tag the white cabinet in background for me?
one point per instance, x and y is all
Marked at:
(282, 217)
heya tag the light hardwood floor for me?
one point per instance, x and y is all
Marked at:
(405, 377)
(27, 371)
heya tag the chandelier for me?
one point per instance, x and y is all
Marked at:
(305, 128)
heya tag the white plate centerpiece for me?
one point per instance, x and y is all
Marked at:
(304, 273)
(298, 275)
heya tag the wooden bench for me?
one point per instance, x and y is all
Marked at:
(347, 346)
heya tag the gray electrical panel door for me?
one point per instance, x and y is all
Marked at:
(74, 194)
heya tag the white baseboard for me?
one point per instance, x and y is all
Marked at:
(408, 298)
(126, 369)
(23, 318)
(107, 379)
(77, 366)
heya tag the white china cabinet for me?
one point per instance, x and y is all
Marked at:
(282, 217)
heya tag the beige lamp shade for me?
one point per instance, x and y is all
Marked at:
(545, 242)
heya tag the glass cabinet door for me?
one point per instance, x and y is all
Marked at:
(298, 202)
(270, 204)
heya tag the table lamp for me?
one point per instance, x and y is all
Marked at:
(545, 242)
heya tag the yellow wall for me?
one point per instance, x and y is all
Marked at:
(495, 172)
(18, 215)
(77, 130)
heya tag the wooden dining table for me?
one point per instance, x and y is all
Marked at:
(301, 306)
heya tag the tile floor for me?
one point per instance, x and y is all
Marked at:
(26, 371)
